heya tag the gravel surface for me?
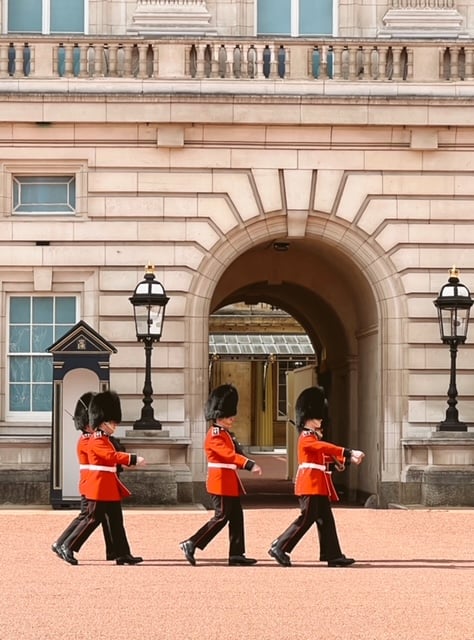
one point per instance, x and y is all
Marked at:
(414, 579)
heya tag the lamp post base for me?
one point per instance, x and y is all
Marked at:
(450, 425)
(147, 425)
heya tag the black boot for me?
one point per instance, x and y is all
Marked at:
(128, 559)
(67, 555)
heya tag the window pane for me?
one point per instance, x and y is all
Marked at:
(20, 397)
(42, 310)
(41, 397)
(65, 312)
(25, 16)
(42, 338)
(67, 17)
(315, 17)
(20, 339)
(20, 310)
(44, 194)
(274, 17)
(42, 369)
(20, 369)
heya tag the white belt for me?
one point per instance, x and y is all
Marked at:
(312, 465)
(99, 467)
(221, 465)
(83, 466)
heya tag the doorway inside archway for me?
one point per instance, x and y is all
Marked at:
(310, 296)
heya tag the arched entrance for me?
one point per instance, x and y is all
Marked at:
(338, 295)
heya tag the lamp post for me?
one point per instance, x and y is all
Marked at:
(453, 303)
(149, 301)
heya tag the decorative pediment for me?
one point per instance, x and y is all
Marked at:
(82, 339)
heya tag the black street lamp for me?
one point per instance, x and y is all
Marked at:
(149, 301)
(454, 303)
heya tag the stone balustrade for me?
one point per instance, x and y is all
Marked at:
(339, 59)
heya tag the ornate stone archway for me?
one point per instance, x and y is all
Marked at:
(357, 285)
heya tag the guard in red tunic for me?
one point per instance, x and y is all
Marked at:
(103, 488)
(224, 457)
(81, 422)
(313, 484)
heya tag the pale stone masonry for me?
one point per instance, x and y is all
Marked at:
(369, 179)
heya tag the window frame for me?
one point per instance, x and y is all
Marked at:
(46, 20)
(46, 169)
(20, 184)
(30, 416)
(295, 16)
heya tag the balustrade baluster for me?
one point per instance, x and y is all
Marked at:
(374, 63)
(267, 60)
(142, 50)
(201, 61)
(113, 50)
(345, 64)
(252, 62)
(454, 63)
(337, 62)
(26, 60)
(396, 51)
(315, 62)
(468, 63)
(11, 59)
(367, 63)
(447, 64)
(282, 57)
(382, 63)
(135, 61)
(237, 62)
(3, 60)
(222, 61)
(353, 71)
(156, 60)
(98, 60)
(207, 61)
(61, 61)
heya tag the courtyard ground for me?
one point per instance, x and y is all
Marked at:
(414, 579)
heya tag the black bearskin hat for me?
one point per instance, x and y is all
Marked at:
(81, 412)
(222, 402)
(105, 407)
(311, 403)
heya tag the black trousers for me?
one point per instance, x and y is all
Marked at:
(314, 510)
(77, 521)
(227, 509)
(99, 512)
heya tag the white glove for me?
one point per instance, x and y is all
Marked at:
(140, 461)
(357, 456)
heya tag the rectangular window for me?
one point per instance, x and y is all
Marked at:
(295, 17)
(44, 194)
(46, 16)
(315, 17)
(35, 323)
(274, 17)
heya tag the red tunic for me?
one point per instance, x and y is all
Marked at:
(103, 483)
(223, 461)
(314, 453)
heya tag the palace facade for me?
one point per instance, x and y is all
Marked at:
(311, 158)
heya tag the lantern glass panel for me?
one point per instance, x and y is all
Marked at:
(453, 323)
(141, 321)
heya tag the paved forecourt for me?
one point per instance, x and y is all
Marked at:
(413, 580)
